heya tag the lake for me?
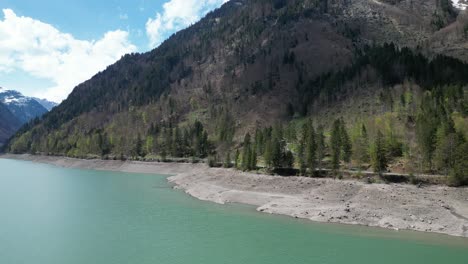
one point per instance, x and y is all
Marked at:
(52, 215)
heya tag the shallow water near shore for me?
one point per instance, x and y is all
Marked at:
(56, 215)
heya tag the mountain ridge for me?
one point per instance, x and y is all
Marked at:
(23, 107)
(252, 64)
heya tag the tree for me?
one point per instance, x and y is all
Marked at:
(236, 159)
(426, 127)
(321, 147)
(177, 143)
(246, 152)
(227, 161)
(459, 173)
(311, 149)
(335, 144)
(276, 153)
(301, 151)
(138, 149)
(378, 155)
(447, 141)
(253, 159)
(345, 143)
(361, 146)
(288, 160)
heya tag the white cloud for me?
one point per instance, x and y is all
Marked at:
(460, 4)
(176, 15)
(43, 51)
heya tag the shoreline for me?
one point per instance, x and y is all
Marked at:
(437, 209)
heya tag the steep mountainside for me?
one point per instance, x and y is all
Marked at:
(24, 108)
(46, 103)
(8, 124)
(255, 63)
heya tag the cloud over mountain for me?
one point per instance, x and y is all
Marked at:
(43, 51)
(176, 15)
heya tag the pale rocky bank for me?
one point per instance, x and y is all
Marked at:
(439, 209)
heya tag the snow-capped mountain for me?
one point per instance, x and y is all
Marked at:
(460, 4)
(23, 108)
(46, 103)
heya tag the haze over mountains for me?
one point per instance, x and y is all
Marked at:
(254, 63)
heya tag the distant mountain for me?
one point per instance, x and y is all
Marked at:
(8, 123)
(46, 103)
(23, 107)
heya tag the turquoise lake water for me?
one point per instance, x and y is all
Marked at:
(51, 215)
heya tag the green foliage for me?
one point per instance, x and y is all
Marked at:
(378, 154)
(459, 172)
(227, 161)
(361, 146)
(346, 145)
(321, 146)
(335, 144)
(236, 159)
(246, 153)
(311, 147)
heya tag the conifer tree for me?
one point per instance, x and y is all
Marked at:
(227, 161)
(378, 154)
(301, 151)
(335, 144)
(311, 148)
(458, 174)
(253, 159)
(321, 147)
(345, 143)
(276, 154)
(246, 153)
(236, 159)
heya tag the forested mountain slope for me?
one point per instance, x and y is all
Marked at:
(8, 124)
(252, 64)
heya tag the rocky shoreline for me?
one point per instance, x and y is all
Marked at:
(434, 208)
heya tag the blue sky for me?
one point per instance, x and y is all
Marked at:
(47, 47)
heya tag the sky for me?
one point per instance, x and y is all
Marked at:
(48, 47)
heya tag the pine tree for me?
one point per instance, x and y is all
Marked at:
(447, 141)
(311, 149)
(301, 151)
(253, 159)
(378, 154)
(345, 143)
(362, 146)
(335, 144)
(138, 150)
(246, 154)
(177, 144)
(288, 160)
(227, 161)
(321, 147)
(268, 155)
(427, 122)
(236, 159)
(459, 172)
(276, 153)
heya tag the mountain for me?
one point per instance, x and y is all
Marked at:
(8, 124)
(261, 69)
(24, 108)
(46, 103)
